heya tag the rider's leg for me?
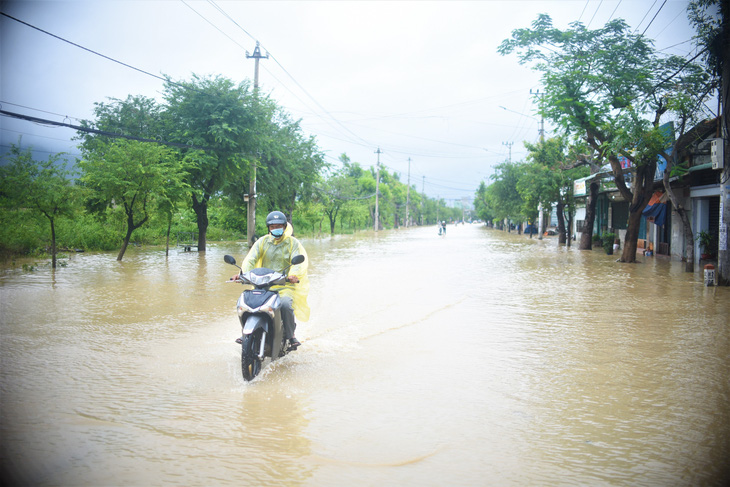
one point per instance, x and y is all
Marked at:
(287, 318)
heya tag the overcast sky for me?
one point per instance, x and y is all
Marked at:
(419, 80)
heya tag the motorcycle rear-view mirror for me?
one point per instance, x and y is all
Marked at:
(229, 259)
(298, 259)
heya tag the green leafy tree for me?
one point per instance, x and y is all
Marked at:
(337, 191)
(548, 179)
(603, 85)
(44, 187)
(290, 165)
(505, 200)
(136, 117)
(222, 124)
(132, 176)
(482, 203)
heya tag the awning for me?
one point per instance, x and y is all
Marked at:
(656, 210)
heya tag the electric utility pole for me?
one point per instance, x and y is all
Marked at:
(377, 190)
(540, 221)
(423, 201)
(509, 146)
(537, 94)
(251, 217)
(408, 192)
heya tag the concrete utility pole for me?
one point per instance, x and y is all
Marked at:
(540, 223)
(408, 192)
(423, 201)
(509, 146)
(537, 93)
(251, 216)
(377, 190)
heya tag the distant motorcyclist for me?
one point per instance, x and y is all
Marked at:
(275, 251)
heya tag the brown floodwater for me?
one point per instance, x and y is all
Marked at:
(477, 358)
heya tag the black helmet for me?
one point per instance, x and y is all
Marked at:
(275, 217)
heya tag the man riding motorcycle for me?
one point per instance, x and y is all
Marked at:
(275, 251)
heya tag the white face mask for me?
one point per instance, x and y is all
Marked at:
(277, 232)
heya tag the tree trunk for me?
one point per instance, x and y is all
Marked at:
(689, 246)
(586, 237)
(167, 242)
(201, 214)
(131, 227)
(632, 237)
(561, 222)
(127, 237)
(644, 187)
(570, 228)
(53, 244)
(333, 220)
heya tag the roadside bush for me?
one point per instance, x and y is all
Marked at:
(22, 232)
(607, 242)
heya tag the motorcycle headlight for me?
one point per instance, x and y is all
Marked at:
(267, 307)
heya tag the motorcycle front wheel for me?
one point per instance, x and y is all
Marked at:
(250, 362)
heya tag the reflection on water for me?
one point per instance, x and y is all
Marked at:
(478, 358)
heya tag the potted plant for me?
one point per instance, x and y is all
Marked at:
(608, 239)
(705, 241)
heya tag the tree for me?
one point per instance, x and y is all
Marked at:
(605, 85)
(548, 179)
(337, 191)
(223, 126)
(130, 175)
(504, 198)
(43, 186)
(482, 203)
(290, 164)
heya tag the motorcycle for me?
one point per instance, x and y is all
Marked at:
(259, 311)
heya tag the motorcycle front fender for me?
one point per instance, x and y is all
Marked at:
(254, 322)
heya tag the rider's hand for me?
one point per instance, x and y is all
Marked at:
(235, 277)
(292, 279)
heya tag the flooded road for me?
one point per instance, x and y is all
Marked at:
(478, 358)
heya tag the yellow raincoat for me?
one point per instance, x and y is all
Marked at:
(276, 254)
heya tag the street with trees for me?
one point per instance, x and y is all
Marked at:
(149, 169)
(609, 87)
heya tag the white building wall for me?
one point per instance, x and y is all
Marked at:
(677, 240)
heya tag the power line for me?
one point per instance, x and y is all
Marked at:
(614, 10)
(162, 78)
(231, 19)
(319, 105)
(584, 10)
(594, 14)
(82, 47)
(38, 110)
(99, 132)
(647, 13)
(212, 24)
(653, 18)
